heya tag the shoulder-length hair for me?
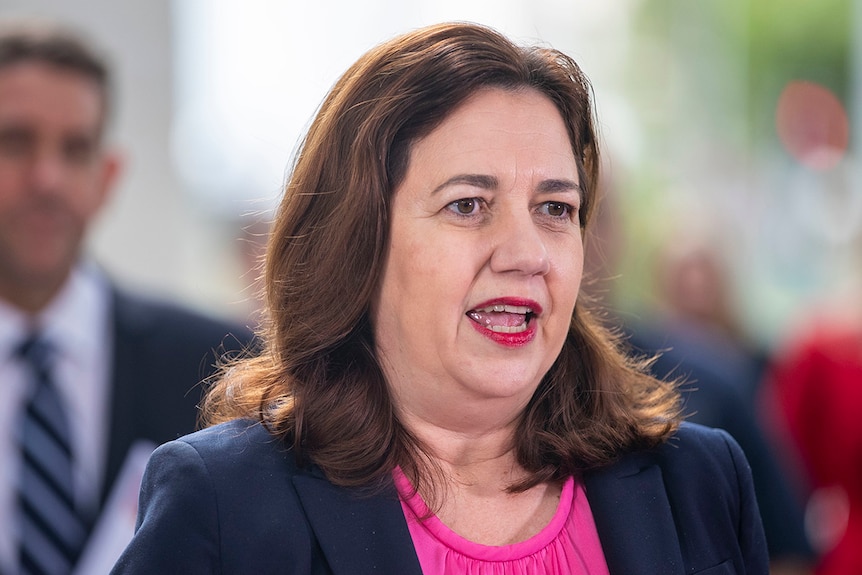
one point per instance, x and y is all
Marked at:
(318, 385)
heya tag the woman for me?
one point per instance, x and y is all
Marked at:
(432, 397)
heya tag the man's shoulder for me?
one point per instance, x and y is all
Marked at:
(143, 306)
(148, 314)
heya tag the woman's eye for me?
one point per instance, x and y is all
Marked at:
(557, 209)
(465, 206)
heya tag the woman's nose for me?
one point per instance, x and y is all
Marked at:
(519, 246)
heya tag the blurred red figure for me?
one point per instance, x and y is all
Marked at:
(815, 396)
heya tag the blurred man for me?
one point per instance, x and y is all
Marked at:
(86, 370)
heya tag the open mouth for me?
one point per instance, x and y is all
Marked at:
(503, 318)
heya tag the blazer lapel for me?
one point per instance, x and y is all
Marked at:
(633, 518)
(357, 533)
(126, 376)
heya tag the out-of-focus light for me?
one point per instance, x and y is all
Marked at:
(812, 125)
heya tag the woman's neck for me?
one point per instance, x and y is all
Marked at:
(478, 465)
(461, 446)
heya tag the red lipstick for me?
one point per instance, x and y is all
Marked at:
(507, 321)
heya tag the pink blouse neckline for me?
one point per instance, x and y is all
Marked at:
(413, 501)
(569, 544)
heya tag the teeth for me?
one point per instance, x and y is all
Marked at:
(508, 329)
(523, 310)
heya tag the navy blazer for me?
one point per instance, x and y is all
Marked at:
(161, 353)
(714, 394)
(231, 499)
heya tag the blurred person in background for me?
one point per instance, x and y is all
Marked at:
(813, 395)
(87, 370)
(691, 335)
(695, 338)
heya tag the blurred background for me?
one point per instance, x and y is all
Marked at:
(732, 210)
(725, 123)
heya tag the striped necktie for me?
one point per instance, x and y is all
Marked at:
(52, 532)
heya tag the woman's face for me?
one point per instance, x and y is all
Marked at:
(485, 258)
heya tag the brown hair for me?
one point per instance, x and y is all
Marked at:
(63, 48)
(318, 384)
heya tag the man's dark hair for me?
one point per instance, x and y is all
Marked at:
(55, 46)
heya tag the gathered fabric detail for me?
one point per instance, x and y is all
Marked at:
(568, 544)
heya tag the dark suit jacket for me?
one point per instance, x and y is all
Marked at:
(718, 392)
(231, 499)
(161, 353)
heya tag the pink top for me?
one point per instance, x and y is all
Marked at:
(569, 544)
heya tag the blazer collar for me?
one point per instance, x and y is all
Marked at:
(358, 533)
(368, 533)
(633, 517)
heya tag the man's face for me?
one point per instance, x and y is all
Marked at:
(54, 176)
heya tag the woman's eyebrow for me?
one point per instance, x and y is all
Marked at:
(487, 182)
(560, 185)
(482, 181)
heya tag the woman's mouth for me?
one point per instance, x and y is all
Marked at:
(509, 322)
(503, 318)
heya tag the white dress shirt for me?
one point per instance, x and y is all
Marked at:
(77, 324)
